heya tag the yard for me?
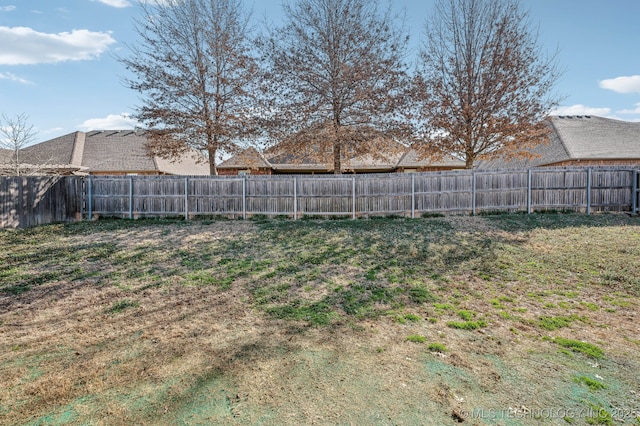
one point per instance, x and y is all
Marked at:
(499, 320)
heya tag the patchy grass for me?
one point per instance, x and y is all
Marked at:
(437, 347)
(121, 305)
(467, 325)
(277, 322)
(415, 338)
(588, 349)
(592, 384)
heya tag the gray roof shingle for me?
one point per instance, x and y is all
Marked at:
(579, 138)
(110, 151)
(589, 137)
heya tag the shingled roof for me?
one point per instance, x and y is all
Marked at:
(395, 156)
(110, 151)
(597, 138)
(579, 138)
(5, 155)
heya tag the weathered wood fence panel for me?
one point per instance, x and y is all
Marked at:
(597, 189)
(38, 200)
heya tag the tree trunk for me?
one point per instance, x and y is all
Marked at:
(337, 153)
(213, 170)
(469, 162)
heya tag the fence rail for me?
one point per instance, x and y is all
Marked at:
(33, 201)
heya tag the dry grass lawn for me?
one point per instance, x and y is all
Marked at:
(499, 320)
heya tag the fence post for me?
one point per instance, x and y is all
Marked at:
(89, 199)
(589, 191)
(186, 199)
(295, 198)
(244, 197)
(130, 197)
(473, 193)
(353, 196)
(529, 191)
(413, 196)
(635, 198)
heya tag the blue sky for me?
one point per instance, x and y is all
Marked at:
(57, 60)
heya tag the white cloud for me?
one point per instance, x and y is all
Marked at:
(625, 84)
(13, 77)
(160, 2)
(9, 8)
(631, 111)
(115, 3)
(110, 122)
(581, 110)
(25, 46)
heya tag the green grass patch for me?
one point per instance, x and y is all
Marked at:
(122, 305)
(317, 314)
(592, 384)
(419, 294)
(437, 347)
(588, 349)
(601, 416)
(466, 315)
(554, 323)
(206, 278)
(416, 338)
(440, 307)
(590, 305)
(467, 325)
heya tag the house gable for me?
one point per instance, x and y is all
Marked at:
(580, 140)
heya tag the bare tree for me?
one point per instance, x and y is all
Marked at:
(15, 134)
(194, 69)
(484, 86)
(336, 74)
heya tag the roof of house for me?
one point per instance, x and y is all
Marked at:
(249, 158)
(575, 138)
(5, 155)
(115, 151)
(589, 137)
(412, 160)
(391, 156)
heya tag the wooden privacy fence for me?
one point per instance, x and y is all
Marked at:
(29, 201)
(588, 190)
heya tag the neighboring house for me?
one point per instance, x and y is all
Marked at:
(8, 166)
(6, 156)
(581, 141)
(397, 158)
(109, 152)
